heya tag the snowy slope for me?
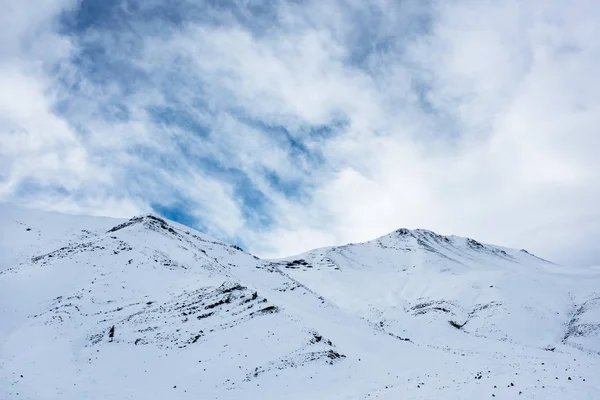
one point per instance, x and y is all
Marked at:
(412, 281)
(94, 308)
(25, 232)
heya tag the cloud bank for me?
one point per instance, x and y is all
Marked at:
(288, 125)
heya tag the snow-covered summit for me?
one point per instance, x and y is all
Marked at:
(147, 308)
(429, 241)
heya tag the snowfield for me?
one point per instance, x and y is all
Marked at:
(101, 308)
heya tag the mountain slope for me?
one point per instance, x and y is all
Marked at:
(146, 308)
(25, 232)
(410, 280)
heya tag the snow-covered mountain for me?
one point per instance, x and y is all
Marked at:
(98, 308)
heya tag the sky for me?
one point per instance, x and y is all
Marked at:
(283, 126)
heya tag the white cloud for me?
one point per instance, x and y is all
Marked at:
(33, 141)
(470, 117)
(523, 167)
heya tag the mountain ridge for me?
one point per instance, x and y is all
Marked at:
(148, 308)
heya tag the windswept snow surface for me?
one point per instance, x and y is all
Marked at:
(97, 308)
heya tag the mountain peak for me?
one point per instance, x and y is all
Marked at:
(150, 221)
(181, 314)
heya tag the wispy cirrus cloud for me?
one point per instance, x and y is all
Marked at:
(288, 125)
